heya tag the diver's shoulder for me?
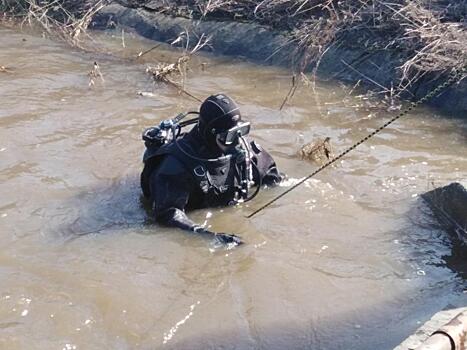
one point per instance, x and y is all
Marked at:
(171, 165)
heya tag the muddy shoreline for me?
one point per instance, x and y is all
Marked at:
(372, 70)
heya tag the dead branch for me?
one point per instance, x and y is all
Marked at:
(291, 92)
(142, 53)
(166, 72)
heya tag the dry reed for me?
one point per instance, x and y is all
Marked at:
(429, 35)
(66, 20)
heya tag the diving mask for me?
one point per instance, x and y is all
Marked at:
(231, 136)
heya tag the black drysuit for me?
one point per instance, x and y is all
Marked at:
(178, 177)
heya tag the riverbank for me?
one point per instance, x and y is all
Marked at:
(401, 49)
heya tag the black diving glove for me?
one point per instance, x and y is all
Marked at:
(224, 238)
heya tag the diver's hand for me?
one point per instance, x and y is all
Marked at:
(226, 238)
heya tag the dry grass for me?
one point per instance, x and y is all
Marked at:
(66, 20)
(429, 35)
(437, 45)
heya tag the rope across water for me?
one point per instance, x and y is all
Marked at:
(454, 77)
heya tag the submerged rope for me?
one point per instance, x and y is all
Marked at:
(454, 77)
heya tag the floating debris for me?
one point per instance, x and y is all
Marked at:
(145, 94)
(319, 151)
(162, 71)
(323, 248)
(94, 74)
(4, 69)
(165, 72)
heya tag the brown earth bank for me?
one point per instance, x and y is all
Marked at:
(398, 49)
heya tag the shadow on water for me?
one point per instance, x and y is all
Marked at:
(448, 206)
(457, 260)
(118, 206)
(439, 239)
(111, 207)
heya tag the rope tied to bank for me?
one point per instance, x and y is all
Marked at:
(455, 76)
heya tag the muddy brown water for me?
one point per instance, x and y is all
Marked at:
(351, 260)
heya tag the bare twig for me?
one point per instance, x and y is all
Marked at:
(141, 54)
(163, 72)
(123, 38)
(291, 92)
(94, 74)
(168, 81)
(385, 89)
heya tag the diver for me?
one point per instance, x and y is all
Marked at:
(211, 165)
